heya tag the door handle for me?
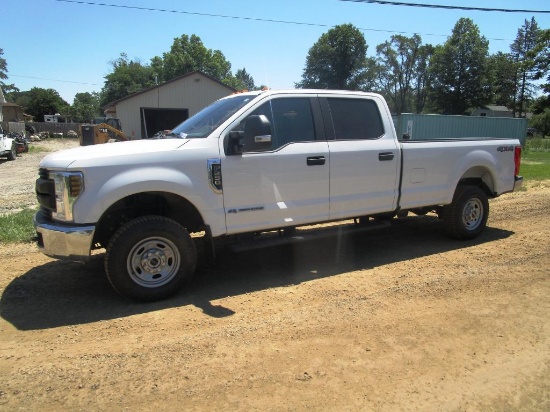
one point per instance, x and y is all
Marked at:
(385, 156)
(316, 160)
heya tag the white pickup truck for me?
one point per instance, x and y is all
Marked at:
(251, 163)
(8, 148)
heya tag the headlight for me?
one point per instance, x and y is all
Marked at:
(68, 186)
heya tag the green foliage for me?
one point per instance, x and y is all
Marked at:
(541, 122)
(187, 54)
(537, 145)
(502, 72)
(40, 102)
(85, 107)
(3, 66)
(17, 227)
(424, 77)
(460, 70)
(540, 104)
(128, 76)
(522, 53)
(337, 60)
(6, 88)
(399, 63)
(542, 59)
(245, 79)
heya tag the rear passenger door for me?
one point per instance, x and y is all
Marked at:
(364, 156)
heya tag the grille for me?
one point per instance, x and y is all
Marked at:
(45, 191)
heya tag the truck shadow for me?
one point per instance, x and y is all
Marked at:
(66, 293)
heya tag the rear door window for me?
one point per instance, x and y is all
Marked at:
(354, 119)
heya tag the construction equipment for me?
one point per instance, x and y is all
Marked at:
(101, 130)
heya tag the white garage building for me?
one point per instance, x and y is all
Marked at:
(163, 107)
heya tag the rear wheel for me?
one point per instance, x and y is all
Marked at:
(466, 216)
(150, 258)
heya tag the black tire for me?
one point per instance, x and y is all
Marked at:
(150, 258)
(12, 155)
(466, 216)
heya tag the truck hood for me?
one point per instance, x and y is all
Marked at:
(109, 152)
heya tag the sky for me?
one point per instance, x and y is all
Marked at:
(69, 45)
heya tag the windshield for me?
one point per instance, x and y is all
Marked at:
(208, 119)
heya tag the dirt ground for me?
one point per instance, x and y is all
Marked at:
(400, 318)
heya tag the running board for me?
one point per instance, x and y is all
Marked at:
(305, 234)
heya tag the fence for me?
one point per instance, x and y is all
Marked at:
(53, 129)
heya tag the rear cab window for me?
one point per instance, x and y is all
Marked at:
(352, 118)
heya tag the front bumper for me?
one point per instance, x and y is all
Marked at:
(64, 241)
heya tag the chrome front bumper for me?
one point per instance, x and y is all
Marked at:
(64, 241)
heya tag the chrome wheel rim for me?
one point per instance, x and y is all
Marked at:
(153, 262)
(472, 215)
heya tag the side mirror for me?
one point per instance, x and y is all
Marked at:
(406, 136)
(257, 133)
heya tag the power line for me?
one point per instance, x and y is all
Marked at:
(151, 9)
(53, 80)
(439, 6)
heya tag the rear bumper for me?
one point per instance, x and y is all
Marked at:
(64, 241)
(518, 182)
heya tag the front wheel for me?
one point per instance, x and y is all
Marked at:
(150, 258)
(466, 216)
(13, 152)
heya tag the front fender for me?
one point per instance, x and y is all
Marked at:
(99, 196)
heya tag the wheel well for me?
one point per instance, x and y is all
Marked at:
(481, 178)
(143, 204)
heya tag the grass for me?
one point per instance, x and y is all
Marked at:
(37, 149)
(535, 159)
(535, 165)
(537, 145)
(17, 227)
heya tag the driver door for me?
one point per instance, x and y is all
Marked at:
(282, 178)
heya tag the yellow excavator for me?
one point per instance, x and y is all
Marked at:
(101, 130)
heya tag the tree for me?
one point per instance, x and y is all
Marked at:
(127, 77)
(85, 107)
(540, 104)
(424, 77)
(542, 59)
(337, 60)
(541, 122)
(522, 51)
(44, 101)
(187, 54)
(459, 68)
(6, 88)
(399, 61)
(502, 71)
(246, 79)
